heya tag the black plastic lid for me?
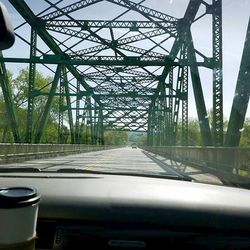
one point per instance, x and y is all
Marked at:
(15, 197)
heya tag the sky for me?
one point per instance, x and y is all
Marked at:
(235, 21)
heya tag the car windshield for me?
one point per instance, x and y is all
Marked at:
(156, 88)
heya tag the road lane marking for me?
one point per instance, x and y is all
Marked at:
(100, 162)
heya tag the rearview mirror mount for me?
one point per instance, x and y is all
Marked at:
(7, 35)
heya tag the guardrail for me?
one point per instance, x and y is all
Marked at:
(21, 152)
(231, 160)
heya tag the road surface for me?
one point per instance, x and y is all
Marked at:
(125, 159)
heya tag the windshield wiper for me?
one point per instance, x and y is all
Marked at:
(87, 171)
(19, 170)
(150, 175)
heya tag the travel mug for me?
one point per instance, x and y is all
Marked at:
(18, 218)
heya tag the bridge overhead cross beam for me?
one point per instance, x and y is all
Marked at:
(124, 67)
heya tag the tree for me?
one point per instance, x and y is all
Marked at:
(113, 137)
(138, 138)
(245, 134)
(19, 87)
(194, 136)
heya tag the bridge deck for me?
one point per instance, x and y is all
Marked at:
(119, 160)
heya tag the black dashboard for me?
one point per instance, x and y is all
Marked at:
(85, 211)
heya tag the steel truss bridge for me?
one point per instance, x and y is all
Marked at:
(134, 74)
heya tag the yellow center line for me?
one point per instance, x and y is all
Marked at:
(97, 163)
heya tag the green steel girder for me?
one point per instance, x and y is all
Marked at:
(199, 98)
(32, 76)
(31, 19)
(150, 128)
(97, 123)
(95, 60)
(90, 119)
(126, 125)
(126, 102)
(45, 115)
(114, 69)
(180, 78)
(61, 111)
(99, 48)
(77, 123)
(125, 130)
(241, 97)
(81, 94)
(100, 60)
(144, 36)
(122, 43)
(68, 9)
(129, 88)
(160, 103)
(101, 128)
(184, 95)
(113, 82)
(68, 103)
(9, 105)
(217, 74)
(126, 115)
(185, 37)
(95, 35)
(170, 134)
(117, 82)
(145, 11)
(118, 78)
(171, 30)
(131, 109)
(133, 70)
(123, 124)
(95, 128)
(132, 25)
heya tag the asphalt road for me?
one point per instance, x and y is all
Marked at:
(125, 159)
(121, 159)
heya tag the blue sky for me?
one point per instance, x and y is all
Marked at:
(235, 20)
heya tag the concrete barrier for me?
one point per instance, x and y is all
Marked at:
(218, 158)
(20, 152)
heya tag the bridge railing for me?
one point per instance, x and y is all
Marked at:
(20, 152)
(231, 160)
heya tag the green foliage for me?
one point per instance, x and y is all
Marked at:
(51, 133)
(194, 136)
(19, 88)
(85, 134)
(138, 138)
(113, 137)
(245, 135)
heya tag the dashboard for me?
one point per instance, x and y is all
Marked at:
(99, 211)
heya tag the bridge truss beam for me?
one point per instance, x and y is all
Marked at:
(121, 74)
(241, 97)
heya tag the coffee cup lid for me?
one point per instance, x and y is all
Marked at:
(15, 197)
